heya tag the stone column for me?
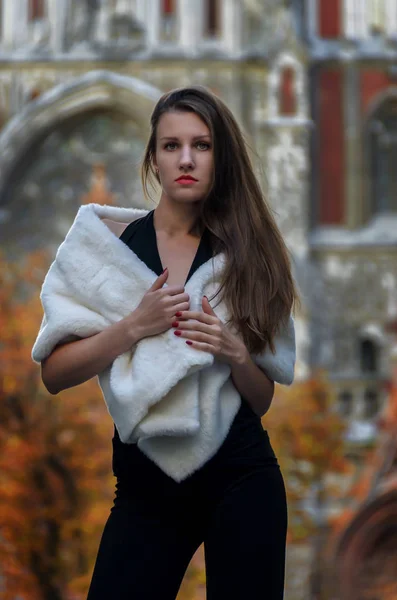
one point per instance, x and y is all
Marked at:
(356, 17)
(8, 19)
(391, 18)
(153, 23)
(57, 15)
(15, 23)
(140, 11)
(232, 25)
(23, 22)
(102, 33)
(362, 17)
(312, 18)
(190, 20)
(353, 147)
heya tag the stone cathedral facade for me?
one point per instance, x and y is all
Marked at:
(313, 84)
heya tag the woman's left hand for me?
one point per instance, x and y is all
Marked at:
(204, 331)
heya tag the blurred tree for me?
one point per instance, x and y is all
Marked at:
(54, 457)
(307, 435)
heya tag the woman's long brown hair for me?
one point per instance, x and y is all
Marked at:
(257, 284)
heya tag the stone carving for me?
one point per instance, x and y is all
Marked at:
(349, 292)
(84, 22)
(273, 22)
(286, 171)
(95, 26)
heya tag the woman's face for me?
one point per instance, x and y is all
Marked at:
(184, 156)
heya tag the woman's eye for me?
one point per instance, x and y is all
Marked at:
(199, 145)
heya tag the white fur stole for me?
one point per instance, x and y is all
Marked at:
(175, 402)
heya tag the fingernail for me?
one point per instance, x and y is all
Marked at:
(189, 343)
(175, 324)
(164, 270)
(178, 314)
(177, 333)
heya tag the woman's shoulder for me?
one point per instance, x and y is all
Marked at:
(115, 227)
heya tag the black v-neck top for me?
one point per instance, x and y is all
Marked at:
(246, 431)
(140, 236)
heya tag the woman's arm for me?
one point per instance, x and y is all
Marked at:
(76, 362)
(252, 383)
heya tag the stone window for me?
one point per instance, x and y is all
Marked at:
(286, 89)
(168, 20)
(287, 96)
(382, 145)
(368, 357)
(211, 18)
(36, 10)
(346, 403)
(371, 403)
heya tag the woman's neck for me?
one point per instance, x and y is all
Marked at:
(176, 220)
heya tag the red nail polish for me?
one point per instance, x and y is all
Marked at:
(189, 342)
(178, 314)
(177, 333)
(175, 324)
(164, 270)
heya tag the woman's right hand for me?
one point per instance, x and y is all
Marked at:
(158, 307)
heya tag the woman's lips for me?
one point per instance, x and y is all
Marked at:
(186, 180)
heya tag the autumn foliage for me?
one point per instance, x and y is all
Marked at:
(307, 435)
(56, 484)
(55, 469)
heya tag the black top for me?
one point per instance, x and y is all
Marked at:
(140, 236)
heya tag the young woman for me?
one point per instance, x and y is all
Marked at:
(234, 503)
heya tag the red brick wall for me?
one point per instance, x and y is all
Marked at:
(330, 18)
(331, 161)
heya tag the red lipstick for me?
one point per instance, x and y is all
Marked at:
(185, 179)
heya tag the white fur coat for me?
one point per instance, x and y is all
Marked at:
(175, 402)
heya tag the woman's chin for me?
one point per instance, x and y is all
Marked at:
(186, 197)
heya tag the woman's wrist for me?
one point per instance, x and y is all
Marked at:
(133, 329)
(241, 357)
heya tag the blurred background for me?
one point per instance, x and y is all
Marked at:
(313, 84)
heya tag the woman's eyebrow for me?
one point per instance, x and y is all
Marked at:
(197, 137)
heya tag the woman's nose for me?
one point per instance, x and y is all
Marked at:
(186, 158)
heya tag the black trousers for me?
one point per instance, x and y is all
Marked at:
(235, 504)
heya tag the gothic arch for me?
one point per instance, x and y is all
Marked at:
(93, 90)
